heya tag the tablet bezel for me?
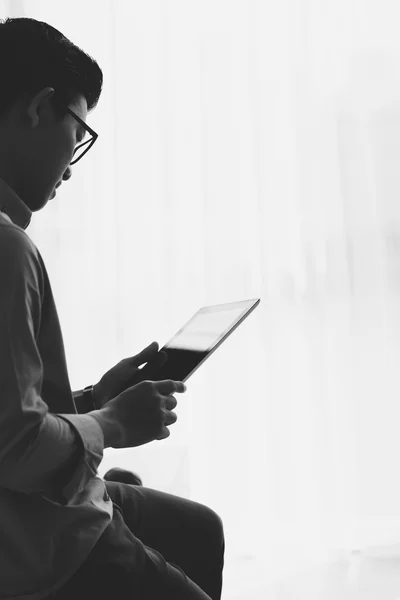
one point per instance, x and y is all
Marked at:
(248, 307)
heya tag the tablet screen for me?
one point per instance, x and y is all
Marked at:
(199, 338)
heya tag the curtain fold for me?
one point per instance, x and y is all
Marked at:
(246, 149)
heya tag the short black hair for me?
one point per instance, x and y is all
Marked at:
(34, 55)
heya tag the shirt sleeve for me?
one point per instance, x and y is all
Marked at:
(40, 452)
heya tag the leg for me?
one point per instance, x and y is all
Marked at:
(187, 534)
(120, 566)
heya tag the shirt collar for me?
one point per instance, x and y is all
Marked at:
(12, 205)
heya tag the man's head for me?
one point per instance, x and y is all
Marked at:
(42, 76)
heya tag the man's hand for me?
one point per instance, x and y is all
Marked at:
(126, 374)
(140, 414)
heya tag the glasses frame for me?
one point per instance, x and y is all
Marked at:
(91, 140)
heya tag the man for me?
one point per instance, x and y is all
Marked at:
(64, 532)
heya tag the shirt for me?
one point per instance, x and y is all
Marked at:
(53, 506)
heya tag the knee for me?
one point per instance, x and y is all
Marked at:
(218, 524)
(214, 527)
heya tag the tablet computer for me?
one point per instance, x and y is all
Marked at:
(198, 339)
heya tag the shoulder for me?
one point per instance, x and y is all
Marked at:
(18, 254)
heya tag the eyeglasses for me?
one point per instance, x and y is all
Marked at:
(81, 149)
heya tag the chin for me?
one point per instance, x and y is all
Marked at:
(37, 204)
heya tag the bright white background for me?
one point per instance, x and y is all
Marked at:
(248, 148)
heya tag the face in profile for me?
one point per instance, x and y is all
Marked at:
(38, 147)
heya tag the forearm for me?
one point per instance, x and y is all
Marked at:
(86, 405)
(55, 458)
(112, 434)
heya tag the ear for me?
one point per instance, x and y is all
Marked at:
(39, 103)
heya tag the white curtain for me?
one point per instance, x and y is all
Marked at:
(247, 148)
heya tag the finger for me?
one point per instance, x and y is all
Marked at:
(170, 402)
(159, 360)
(165, 433)
(162, 357)
(145, 354)
(169, 386)
(150, 349)
(170, 417)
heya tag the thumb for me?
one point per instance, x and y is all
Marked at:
(146, 353)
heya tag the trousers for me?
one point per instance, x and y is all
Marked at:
(157, 547)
